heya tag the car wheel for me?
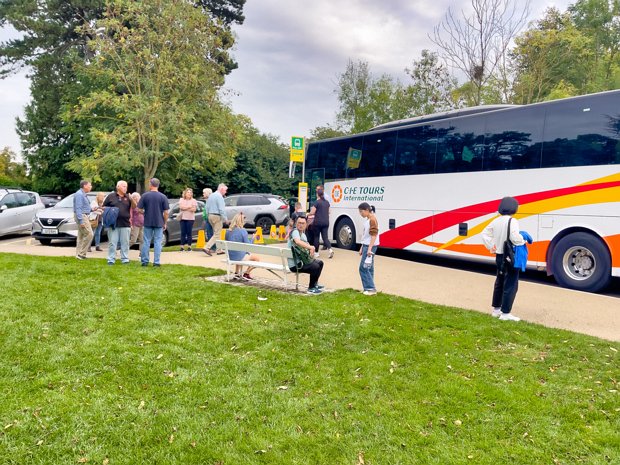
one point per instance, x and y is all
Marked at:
(345, 234)
(581, 261)
(45, 241)
(265, 223)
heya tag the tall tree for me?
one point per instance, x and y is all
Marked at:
(12, 172)
(477, 44)
(155, 72)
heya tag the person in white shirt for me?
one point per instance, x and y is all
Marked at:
(507, 279)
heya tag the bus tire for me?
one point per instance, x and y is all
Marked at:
(345, 234)
(581, 261)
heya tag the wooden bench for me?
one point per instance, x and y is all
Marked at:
(278, 267)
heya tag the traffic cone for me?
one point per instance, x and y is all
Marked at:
(273, 234)
(282, 233)
(258, 236)
(200, 243)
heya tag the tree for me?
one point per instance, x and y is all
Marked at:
(49, 47)
(12, 173)
(155, 73)
(477, 45)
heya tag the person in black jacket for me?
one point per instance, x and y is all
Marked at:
(320, 224)
(118, 235)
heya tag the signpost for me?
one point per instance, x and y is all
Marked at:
(297, 149)
(297, 156)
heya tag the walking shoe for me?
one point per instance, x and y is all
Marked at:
(145, 264)
(110, 263)
(316, 255)
(220, 252)
(98, 249)
(509, 317)
(331, 253)
(496, 313)
(314, 290)
(208, 252)
(319, 286)
(247, 276)
(81, 257)
(370, 292)
(156, 265)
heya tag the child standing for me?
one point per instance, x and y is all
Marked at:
(370, 241)
(507, 279)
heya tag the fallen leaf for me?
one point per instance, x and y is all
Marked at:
(360, 459)
(282, 388)
(160, 356)
(171, 439)
(458, 422)
(141, 406)
(82, 460)
(106, 461)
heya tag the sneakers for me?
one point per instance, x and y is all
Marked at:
(496, 313)
(247, 276)
(316, 255)
(208, 252)
(509, 317)
(145, 263)
(331, 253)
(370, 292)
(81, 257)
(314, 290)
(319, 286)
(98, 249)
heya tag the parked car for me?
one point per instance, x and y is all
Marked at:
(17, 208)
(49, 200)
(57, 222)
(260, 210)
(173, 227)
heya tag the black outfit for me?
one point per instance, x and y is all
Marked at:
(321, 223)
(506, 285)
(314, 269)
(124, 209)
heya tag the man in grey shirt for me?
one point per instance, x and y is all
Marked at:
(217, 217)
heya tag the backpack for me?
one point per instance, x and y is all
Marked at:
(110, 215)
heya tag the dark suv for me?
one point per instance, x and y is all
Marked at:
(260, 210)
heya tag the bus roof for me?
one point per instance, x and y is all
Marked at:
(442, 115)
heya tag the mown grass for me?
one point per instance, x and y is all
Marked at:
(132, 365)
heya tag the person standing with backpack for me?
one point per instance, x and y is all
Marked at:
(502, 232)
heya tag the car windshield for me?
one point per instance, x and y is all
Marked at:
(67, 202)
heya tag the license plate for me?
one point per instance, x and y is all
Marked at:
(49, 231)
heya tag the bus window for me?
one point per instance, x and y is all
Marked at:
(312, 155)
(377, 158)
(334, 155)
(415, 152)
(514, 139)
(582, 132)
(460, 145)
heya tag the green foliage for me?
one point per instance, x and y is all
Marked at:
(154, 94)
(12, 173)
(163, 366)
(324, 132)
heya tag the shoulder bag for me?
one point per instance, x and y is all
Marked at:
(509, 253)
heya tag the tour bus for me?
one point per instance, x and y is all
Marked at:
(436, 182)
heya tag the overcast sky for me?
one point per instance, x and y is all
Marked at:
(290, 53)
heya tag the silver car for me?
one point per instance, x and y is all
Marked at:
(260, 210)
(17, 208)
(58, 222)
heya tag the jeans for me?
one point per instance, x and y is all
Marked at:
(506, 285)
(98, 234)
(368, 274)
(186, 232)
(151, 234)
(208, 232)
(118, 236)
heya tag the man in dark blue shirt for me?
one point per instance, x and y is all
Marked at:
(155, 207)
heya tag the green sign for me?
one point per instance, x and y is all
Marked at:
(297, 143)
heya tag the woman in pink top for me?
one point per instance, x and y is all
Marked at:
(187, 207)
(136, 219)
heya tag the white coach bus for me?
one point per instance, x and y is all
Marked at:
(436, 182)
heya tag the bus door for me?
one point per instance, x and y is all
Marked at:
(316, 177)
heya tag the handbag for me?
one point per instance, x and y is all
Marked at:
(509, 253)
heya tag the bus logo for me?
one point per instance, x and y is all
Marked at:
(337, 193)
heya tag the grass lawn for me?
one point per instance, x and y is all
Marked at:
(132, 365)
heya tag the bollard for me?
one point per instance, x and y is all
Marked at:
(258, 236)
(200, 242)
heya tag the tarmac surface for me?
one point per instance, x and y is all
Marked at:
(554, 307)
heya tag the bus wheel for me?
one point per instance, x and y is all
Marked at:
(581, 261)
(345, 234)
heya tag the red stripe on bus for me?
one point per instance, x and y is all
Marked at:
(411, 233)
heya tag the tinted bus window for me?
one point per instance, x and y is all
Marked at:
(584, 131)
(312, 155)
(514, 139)
(415, 152)
(460, 145)
(376, 158)
(334, 156)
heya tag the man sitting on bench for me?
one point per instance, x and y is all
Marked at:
(237, 233)
(303, 256)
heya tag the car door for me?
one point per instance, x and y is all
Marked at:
(231, 207)
(9, 216)
(26, 210)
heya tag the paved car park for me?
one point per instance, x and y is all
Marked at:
(552, 306)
